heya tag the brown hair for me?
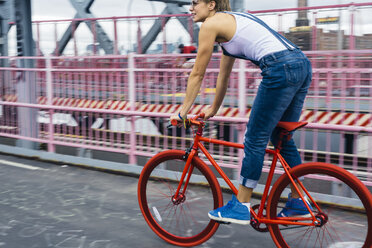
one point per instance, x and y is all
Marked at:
(221, 5)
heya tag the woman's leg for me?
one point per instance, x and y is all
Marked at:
(292, 114)
(277, 97)
(267, 111)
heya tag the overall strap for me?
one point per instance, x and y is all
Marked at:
(239, 57)
(287, 43)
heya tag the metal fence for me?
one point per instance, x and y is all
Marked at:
(122, 104)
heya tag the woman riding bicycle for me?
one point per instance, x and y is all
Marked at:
(286, 76)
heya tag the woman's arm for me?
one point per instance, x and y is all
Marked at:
(221, 27)
(226, 66)
(207, 37)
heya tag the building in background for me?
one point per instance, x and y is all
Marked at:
(308, 39)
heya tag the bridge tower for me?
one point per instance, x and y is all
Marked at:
(302, 19)
(301, 34)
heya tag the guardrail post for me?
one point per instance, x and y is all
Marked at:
(314, 34)
(242, 110)
(132, 102)
(116, 51)
(49, 92)
(352, 28)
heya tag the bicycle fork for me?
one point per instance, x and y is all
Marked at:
(180, 196)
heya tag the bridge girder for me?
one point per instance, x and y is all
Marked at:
(6, 16)
(171, 8)
(83, 11)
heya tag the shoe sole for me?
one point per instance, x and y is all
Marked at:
(298, 216)
(235, 221)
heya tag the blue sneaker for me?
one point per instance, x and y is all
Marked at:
(295, 207)
(232, 212)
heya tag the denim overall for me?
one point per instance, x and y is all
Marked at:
(280, 97)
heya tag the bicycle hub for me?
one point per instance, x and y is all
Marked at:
(179, 199)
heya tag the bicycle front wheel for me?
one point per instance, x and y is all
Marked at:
(345, 216)
(185, 221)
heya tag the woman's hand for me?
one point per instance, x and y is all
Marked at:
(209, 112)
(177, 118)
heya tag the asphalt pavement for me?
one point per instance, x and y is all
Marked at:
(45, 205)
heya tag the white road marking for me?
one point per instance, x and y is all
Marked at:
(24, 166)
(355, 224)
(346, 245)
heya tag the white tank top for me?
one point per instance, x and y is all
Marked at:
(251, 40)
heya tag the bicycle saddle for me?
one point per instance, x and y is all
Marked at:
(291, 126)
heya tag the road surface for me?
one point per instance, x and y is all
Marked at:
(45, 205)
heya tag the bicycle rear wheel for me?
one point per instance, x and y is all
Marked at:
(346, 209)
(183, 222)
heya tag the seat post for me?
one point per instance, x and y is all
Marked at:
(284, 134)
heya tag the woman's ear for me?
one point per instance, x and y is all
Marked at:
(211, 5)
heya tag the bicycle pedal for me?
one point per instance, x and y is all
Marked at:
(223, 222)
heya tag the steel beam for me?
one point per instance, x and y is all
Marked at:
(179, 2)
(6, 16)
(151, 35)
(237, 5)
(26, 83)
(174, 9)
(66, 37)
(82, 8)
(156, 28)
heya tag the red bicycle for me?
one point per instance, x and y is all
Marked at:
(176, 189)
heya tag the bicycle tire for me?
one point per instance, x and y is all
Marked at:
(185, 223)
(343, 226)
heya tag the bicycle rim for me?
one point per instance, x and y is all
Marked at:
(345, 204)
(183, 223)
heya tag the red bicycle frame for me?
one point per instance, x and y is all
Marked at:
(276, 156)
